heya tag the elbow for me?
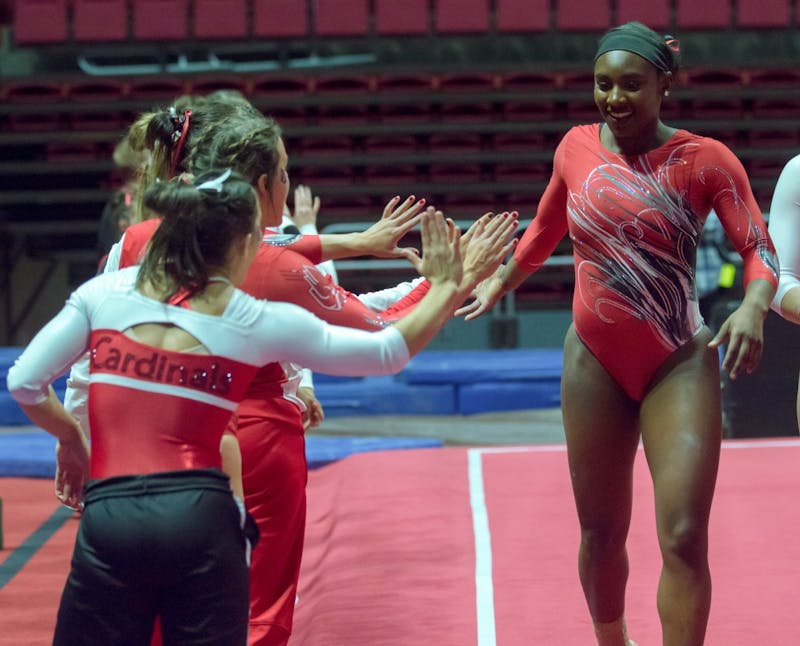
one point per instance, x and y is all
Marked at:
(21, 392)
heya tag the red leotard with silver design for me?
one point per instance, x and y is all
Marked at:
(635, 222)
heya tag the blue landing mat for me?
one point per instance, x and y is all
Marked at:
(31, 454)
(446, 382)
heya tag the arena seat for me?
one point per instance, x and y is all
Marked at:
(161, 19)
(40, 21)
(653, 13)
(522, 15)
(220, 19)
(161, 89)
(280, 19)
(100, 20)
(403, 83)
(763, 13)
(583, 15)
(461, 16)
(401, 18)
(336, 18)
(709, 14)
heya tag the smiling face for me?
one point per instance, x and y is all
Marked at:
(628, 91)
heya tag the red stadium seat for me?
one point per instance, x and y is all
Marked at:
(156, 89)
(653, 13)
(785, 77)
(408, 17)
(105, 90)
(351, 84)
(272, 85)
(390, 144)
(454, 172)
(220, 18)
(280, 18)
(583, 15)
(405, 84)
(522, 15)
(160, 19)
(709, 14)
(461, 16)
(530, 81)
(34, 91)
(40, 21)
(476, 82)
(521, 142)
(455, 143)
(763, 13)
(100, 20)
(337, 18)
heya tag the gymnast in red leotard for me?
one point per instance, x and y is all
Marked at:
(173, 348)
(269, 424)
(639, 362)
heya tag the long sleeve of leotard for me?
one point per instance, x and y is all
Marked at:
(784, 228)
(386, 298)
(549, 226)
(43, 361)
(277, 332)
(301, 283)
(76, 395)
(403, 306)
(295, 334)
(724, 179)
(308, 246)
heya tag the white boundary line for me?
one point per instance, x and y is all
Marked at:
(484, 584)
(484, 587)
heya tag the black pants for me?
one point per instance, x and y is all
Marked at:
(167, 544)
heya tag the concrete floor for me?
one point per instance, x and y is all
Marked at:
(541, 426)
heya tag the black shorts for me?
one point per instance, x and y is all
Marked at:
(167, 544)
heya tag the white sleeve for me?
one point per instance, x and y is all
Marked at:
(50, 353)
(306, 378)
(784, 228)
(112, 261)
(76, 395)
(380, 300)
(295, 334)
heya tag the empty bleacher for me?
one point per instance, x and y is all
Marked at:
(460, 101)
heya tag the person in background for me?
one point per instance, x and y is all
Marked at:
(639, 363)
(118, 211)
(784, 226)
(709, 266)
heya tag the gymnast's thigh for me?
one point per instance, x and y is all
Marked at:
(681, 424)
(601, 427)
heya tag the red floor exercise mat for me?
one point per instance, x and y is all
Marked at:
(392, 560)
(462, 547)
(38, 537)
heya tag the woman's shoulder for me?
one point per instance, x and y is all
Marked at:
(584, 131)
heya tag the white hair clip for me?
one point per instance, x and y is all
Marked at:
(216, 183)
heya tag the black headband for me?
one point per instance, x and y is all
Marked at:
(657, 54)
